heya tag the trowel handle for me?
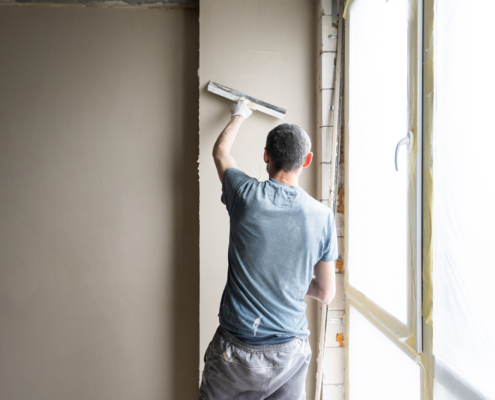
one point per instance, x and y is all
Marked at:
(252, 106)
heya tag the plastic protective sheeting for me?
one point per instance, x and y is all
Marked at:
(464, 200)
(378, 369)
(380, 227)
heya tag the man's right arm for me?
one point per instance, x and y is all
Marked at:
(221, 150)
(322, 286)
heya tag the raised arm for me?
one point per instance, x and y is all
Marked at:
(322, 286)
(221, 150)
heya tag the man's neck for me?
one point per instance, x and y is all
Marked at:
(287, 178)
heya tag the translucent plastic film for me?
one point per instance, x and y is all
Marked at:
(378, 369)
(464, 200)
(379, 220)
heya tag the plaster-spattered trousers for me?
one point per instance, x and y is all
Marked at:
(235, 370)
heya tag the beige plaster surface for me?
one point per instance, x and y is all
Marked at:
(266, 49)
(99, 286)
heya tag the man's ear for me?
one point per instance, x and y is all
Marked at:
(308, 160)
(266, 157)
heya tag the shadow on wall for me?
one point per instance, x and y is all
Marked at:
(186, 255)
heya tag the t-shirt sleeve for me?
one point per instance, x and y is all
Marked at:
(231, 182)
(331, 247)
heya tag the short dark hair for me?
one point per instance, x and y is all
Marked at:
(288, 145)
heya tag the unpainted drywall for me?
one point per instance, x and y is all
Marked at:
(266, 49)
(98, 203)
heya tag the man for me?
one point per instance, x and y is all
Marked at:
(282, 246)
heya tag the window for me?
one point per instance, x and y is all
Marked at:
(464, 201)
(396, 377)
(378, 120)
(384, 213)
(383, 246)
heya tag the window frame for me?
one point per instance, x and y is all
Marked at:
(418, 345)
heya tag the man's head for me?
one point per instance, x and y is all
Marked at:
(287, 148)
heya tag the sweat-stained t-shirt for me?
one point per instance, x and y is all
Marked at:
(277, 235)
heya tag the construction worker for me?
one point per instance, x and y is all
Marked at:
(282, 246)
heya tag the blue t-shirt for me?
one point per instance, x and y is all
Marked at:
(277, 235)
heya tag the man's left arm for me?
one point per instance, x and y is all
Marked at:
(221, 150)
(322, 286)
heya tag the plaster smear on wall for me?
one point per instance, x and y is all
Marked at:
(266, 49)
(99, 199)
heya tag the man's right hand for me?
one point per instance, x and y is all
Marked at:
(241, 108)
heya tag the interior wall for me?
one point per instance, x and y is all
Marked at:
(266, 49)
(99, 275)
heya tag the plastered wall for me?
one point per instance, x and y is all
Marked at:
(98, 203)
(266, 49)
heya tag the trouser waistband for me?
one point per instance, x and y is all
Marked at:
(252, 348)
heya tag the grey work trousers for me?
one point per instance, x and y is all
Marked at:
(235, 370)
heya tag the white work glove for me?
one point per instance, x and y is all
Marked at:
(240, 107)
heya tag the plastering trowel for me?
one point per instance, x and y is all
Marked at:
(254, 104)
